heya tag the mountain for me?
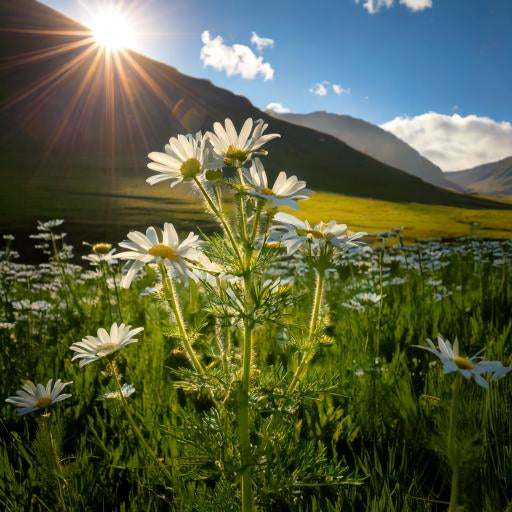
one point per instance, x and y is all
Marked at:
(373, 141)
(67, 107)
(493, 178)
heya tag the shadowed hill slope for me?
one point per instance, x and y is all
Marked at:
(68, 106)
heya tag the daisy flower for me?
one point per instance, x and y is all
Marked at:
(285, 191)
(144, 249)
(104, 344)
(293, 233)
(236, 149)
(471, 367)
(185, 157)
(32, 398)
(100, 252)
(127, 390)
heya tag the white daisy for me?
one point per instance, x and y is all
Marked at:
(144, 249)
(471, 367)
(49, 224)
(127, 390)
(98, 256)
(185, 157)
(237, 149)
(32, 398)
(293, 233)
(285, 191)
(92, 348)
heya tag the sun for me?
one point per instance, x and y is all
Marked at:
(112, 29)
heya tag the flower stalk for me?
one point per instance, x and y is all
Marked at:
(47, 430)
(243, 421)
(313, 324)
(218, 214)
(172, 298)
(117, 379)
(452, 444)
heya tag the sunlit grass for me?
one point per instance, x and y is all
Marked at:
(419, 220)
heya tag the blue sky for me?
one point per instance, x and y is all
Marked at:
(452, 57)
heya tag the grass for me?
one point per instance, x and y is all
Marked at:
(368, 433)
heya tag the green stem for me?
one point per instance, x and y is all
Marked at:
(218, 214)
(241, 208)
(45, 419)
(118, 298)
(313, 323)
(115, 373)
(452, 445)
(256, 222)
(64, 275)
(107, 291)
(243, 421)
(172, 298)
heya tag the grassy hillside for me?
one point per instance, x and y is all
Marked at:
(419, 220)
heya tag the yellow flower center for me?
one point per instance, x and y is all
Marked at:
(313, 232)
(463, 363)
(268, 191)
(44, 402)
(189, 168)
(101, 248)
(163, 251)
(235, 156)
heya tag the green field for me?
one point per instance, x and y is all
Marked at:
(106, 208)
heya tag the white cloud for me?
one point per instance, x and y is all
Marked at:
(454, 142)
(338, 89)
(374, 6)
(320, 88)
(417, 5)
(278, 108)
(261, 42)
(236, 59)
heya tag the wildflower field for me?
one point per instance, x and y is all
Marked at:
(275, 364)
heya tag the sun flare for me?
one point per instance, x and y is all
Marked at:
(113, 29)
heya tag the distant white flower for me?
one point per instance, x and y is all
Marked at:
(49, 224)
(236, 149)
(284, 192)
(369, 298)
(144, 249)
(293, 233)
(97, 258)
(469, 368)
(185, 157)
(127, 390)
(104, 344)
(32, 398)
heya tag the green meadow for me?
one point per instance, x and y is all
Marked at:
(106, 207)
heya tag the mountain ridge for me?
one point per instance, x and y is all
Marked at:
(492, 178)
(373, 140)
